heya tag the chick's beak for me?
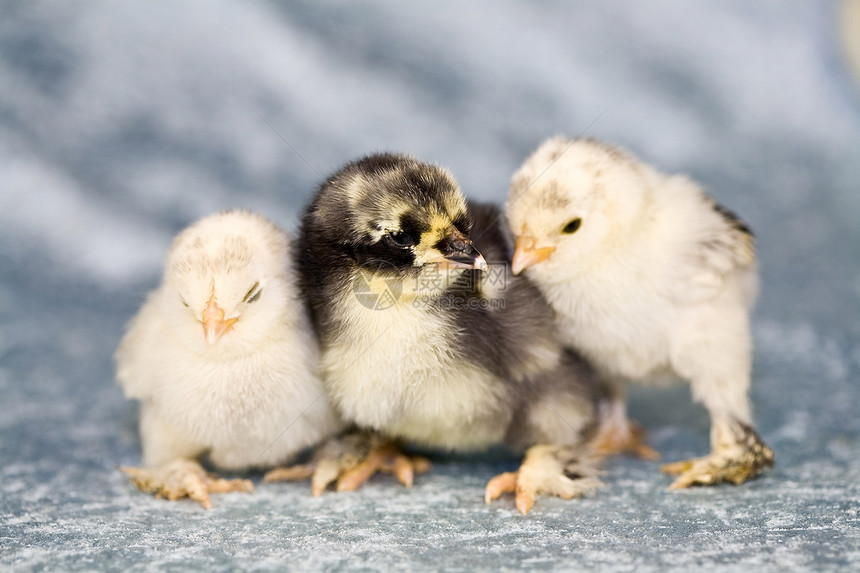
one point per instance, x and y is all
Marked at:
(214, 325)
(526, 253)
(458, 252)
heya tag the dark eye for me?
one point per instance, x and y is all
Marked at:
(401, 239)
(253, 294)
(185, 304)
(572, 227)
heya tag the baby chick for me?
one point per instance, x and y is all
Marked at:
(648, 275)
(423, 341)
(223, 359)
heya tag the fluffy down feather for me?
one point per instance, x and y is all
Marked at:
(222, 356)
(648, 276)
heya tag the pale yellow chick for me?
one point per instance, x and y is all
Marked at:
(223, 360)
(648, 276)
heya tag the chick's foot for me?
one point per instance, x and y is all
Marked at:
(738, 455)
(351, 460)
(184, 478)
(618, 434)
(547, 470)
(627, 439)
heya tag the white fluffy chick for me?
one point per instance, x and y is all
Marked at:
(648, 276)
(223, 359)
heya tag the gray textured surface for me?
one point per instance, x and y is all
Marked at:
(122, 122)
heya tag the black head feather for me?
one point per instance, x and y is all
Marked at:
(372, 214)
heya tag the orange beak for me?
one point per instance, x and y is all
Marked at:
(527, 254)
(214, 325)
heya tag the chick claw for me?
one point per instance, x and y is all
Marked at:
(550, 470)
(352, 460)
(184, 478)
(742, 458)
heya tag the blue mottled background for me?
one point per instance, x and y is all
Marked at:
(121, 122)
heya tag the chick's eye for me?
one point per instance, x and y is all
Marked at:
(253, 295)
(572, 227)
(401, 239)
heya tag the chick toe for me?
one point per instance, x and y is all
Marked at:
(291, 473)
(502, 483)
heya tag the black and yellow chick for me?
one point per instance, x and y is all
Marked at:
(423, 341)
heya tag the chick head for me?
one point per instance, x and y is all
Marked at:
(227, 281)
(573, 202)
(393, 214)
